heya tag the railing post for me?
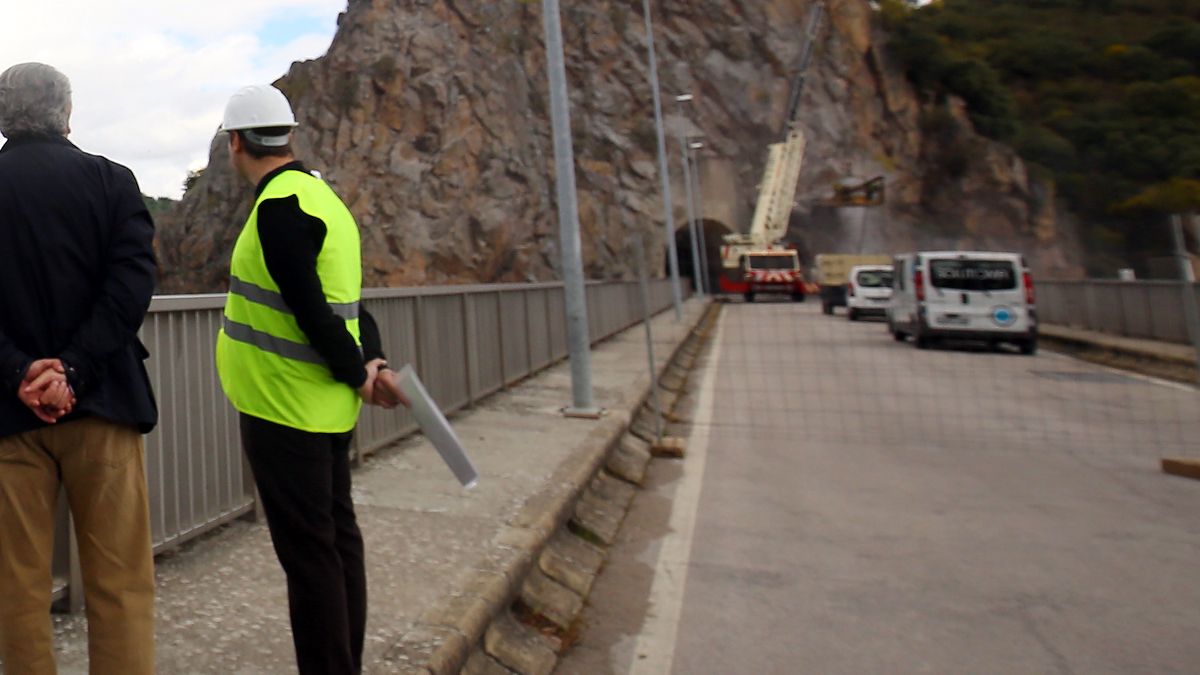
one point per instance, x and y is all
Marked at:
(528, 333)
(419, 336)
(1118, 305)
(500, 338)
(469, 340)
(1191, 313)
(549, 328)
(1093, 318)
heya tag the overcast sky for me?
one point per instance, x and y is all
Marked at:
(151, 77)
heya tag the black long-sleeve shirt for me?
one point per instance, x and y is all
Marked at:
(291, 241)
(76, 277)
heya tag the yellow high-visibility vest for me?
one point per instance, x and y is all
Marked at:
(267, 366)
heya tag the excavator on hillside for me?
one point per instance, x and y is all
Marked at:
(853, 192)
(758, 261)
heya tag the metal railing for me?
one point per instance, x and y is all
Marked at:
(466, 342)
(1152, 310)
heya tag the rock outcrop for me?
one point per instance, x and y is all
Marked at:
(430, 118)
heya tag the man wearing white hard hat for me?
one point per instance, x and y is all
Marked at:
(298, 356)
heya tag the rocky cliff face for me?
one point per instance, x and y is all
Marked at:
(430, 118)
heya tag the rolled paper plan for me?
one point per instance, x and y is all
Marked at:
(437, 429)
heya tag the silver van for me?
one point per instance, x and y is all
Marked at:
(963, 295)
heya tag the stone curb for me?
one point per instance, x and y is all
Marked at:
(1065, 337)
(448, 634)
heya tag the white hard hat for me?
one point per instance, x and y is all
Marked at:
(256, 107)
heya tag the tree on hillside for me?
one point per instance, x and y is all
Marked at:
(1178, 195)
(192, 177)
(1100, 97)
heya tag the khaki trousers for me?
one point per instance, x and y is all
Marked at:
(102, 467)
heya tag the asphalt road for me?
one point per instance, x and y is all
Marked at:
(853, 505)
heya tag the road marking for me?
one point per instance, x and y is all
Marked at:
(1149, 379)
(655, 649)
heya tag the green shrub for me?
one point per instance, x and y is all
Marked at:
(1041, 54)
(1040, 145)
(1102, 97)
(988, 101)
(1181, 41)
(1175, 98)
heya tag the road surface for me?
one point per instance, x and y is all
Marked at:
(850, 504)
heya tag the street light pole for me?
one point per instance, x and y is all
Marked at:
(663, 170)
(691, 213)
(700, 213)
(568, 219)
(695, 203)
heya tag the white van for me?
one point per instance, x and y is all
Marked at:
(963, 295)
(868, 291)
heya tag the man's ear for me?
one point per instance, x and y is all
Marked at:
(235, 142)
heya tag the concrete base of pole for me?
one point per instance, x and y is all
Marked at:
(584, 413)
(670, 447)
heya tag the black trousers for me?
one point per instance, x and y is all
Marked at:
(303, 480)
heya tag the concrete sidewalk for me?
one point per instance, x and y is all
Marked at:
(222, 605)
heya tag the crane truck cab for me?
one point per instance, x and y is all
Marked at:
(972, 295)
(767, 271)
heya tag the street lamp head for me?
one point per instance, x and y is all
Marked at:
(696, 146)
(683, 98)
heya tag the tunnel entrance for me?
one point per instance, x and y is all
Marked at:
(713, 233)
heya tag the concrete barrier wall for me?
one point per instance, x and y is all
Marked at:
(466, 342)
(1151, 310)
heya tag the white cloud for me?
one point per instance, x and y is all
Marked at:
(150, 79)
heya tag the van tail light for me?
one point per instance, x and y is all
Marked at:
(919, 285)
(1029, 295)
(850, 288)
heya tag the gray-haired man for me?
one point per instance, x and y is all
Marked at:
(77, 273)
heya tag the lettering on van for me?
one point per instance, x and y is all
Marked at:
(973, 275)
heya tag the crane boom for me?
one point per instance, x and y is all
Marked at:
(779, 200)
(777, 192)
(816, 17)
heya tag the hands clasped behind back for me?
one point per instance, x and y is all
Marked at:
(46, 391)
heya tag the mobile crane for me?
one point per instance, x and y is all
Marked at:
(758, 261)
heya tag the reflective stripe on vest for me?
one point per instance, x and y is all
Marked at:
(267, 366)
(269, 343)
(344, 310)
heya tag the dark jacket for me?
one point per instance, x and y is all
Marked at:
(76, 276)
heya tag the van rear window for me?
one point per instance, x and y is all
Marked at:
(973, 275)
(874, 279)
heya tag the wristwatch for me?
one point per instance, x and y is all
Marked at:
(71, 373)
